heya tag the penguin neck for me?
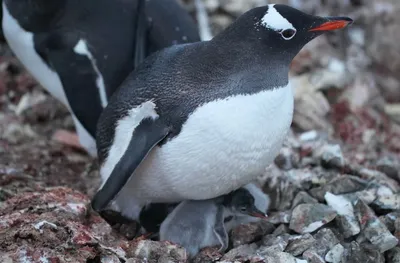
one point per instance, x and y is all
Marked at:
(35, 15)
(249, 53)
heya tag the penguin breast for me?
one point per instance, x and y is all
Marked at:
(222, 146)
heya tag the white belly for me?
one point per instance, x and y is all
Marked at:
(21, 43)
(223, 145)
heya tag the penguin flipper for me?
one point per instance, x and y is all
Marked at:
(144, 138)
(220, 230)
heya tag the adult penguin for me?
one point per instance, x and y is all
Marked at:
(81, 51)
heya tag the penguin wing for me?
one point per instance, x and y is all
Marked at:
(144, 137)
(161, 24)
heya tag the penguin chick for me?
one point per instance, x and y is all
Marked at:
(261, 201)
(196, 224)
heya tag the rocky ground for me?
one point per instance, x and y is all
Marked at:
(335, 187)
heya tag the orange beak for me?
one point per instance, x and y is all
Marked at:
(334, 24)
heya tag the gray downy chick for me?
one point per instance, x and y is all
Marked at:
(261, 201)
(196, 224)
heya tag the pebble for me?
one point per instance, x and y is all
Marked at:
(280, 217)
(359, 253)
(345, 219)
(273, 244)
(299, 244)
(391, 202)
(387, 166)
(393, 255)
(313, 257)
(332, 156)
(307, 218)
(373, 229)
(281, 229)
(287, 159)
(247, 233)
(242, 253)
(145, 249)
(335, 254)
(303, 198)
(340, 185)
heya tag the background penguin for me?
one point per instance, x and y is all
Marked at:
(199, 120)
(199, 224)
(81, 51)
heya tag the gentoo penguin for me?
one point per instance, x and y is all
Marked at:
(81, 51)
(196, 224)
(199, 120)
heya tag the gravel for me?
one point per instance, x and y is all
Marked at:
(334, 188)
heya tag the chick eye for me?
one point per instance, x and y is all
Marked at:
(288, 34)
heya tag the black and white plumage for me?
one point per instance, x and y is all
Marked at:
(199, 224)
(81, 51)
(199, 120)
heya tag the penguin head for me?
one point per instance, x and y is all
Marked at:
(281, 30)
(242, 202)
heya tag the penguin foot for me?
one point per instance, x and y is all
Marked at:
(124, 226)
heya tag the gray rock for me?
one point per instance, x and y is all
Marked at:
(281, 257)
(303, 198)
(247, 233)
(389, 167)
(158, 251)
(287, 159)
(299, 244)
(332, 156)
(373, 229)
(307, 218)
(389, 220)
(281, 229)
(312, 257)
(243, 253)
(391, 202)
(345, 219)
(281, 189)
(326, 240)
(273, 244)
(380, 178)
(280, 217)
(340, 185)
(335, 254)
(357, 253)
(393, 255)
(208, 254)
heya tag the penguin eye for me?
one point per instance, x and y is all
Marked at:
(243, 208)
(288, 34)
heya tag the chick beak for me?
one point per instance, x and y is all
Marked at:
(258, 213)
(332, 23)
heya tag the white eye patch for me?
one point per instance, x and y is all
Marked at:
(275, 21)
